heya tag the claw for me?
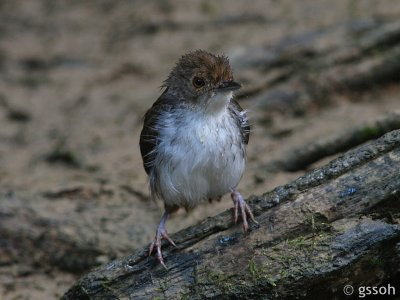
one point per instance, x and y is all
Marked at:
(245, 210)
(160, 234)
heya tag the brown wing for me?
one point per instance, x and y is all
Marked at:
(243, 122)
(149, 135)
(148, 142)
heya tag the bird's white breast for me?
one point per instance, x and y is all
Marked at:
(199, 156)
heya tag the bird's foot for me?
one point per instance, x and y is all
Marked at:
(245, 210)
(160, 234)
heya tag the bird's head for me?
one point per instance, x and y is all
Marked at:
(203, 79)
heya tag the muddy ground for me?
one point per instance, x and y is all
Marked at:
(75, 81)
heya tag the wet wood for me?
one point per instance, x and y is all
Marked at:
(316, 234)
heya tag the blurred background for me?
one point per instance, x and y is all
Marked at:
(76, 78)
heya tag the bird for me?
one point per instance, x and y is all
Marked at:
(194, 138)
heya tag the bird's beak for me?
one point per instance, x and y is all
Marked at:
(229, 86)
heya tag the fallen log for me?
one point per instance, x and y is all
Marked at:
(335, 226)
(300, 158)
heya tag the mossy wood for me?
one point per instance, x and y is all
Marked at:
(336, 225)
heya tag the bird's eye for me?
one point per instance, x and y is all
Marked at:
(198, 82)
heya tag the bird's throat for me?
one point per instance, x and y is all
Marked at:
(218, 102)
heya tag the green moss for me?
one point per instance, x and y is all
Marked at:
(84, 290)
(289, 260)
(253, 268)
(242, 283)
(296, 257)
(298, 242)
(105, 284)
(375, 261)
(222, 281)
(318, 222)
(260, 273)
(162, 286)
(267, 268)
(369, 132)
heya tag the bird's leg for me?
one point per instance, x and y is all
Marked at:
(160, 234)
(245, 210)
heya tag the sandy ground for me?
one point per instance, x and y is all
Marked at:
(75, 81)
